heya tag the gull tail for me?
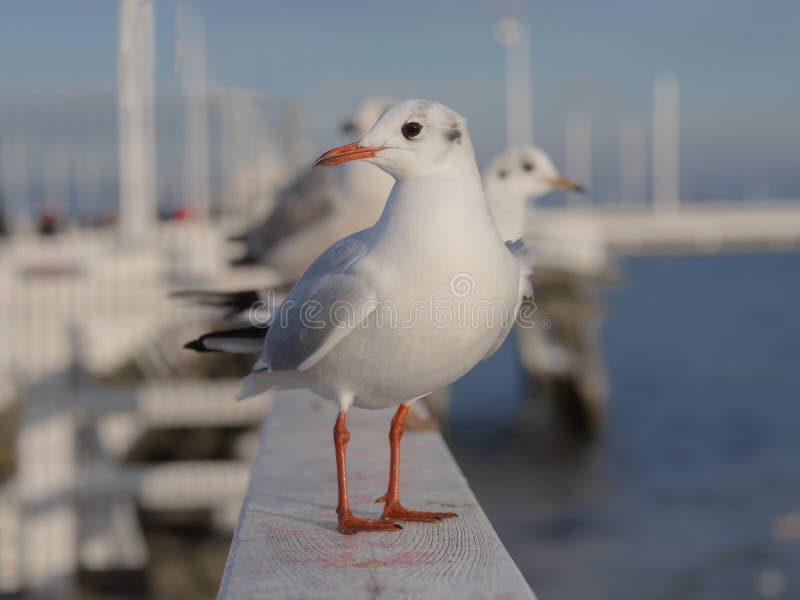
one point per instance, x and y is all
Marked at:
(262, 379)
(254, 384)
(246, 340)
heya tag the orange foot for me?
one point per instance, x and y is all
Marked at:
(349, 524)
(394, 510)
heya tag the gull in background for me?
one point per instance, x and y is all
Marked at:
(316, 210)
(514, 178)
(435, 239)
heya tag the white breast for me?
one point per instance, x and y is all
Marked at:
(445, 296)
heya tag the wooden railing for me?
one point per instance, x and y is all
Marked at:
(286, 543)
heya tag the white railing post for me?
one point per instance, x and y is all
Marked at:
(666, 175)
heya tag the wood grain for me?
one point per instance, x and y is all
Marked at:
(286, 543)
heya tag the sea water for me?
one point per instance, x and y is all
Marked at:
(691, 490)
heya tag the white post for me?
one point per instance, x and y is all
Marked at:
(228, 144)
(632, 162)
(578, 149)
(243, 138)
(515, 37)
(136, 106)
(666, 178)
(190, 58)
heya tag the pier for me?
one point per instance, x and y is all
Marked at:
(689, 227)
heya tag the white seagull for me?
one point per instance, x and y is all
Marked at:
(434, 259)
(315, 210)
(513, 178)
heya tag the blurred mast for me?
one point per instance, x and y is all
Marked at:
(190, 59)
(632, 162)
(511, 32)
(578, 150)
(666, 177)
(135, 114)
(55, 180)
(241, 145)
(14, 174)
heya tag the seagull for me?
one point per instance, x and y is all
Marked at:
(513, 178)
(315, 210)
(434, 259)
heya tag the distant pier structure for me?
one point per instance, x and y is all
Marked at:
(512, 33)
(666, 137)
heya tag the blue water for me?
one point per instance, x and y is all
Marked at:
(702, 451)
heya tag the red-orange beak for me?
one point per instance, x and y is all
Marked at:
(346, 153)
(563, 183)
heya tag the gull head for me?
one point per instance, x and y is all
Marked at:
(412, 138)
(526, 172)
(367, 112)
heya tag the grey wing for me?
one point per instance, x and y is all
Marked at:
(307, 200)
(326, 305)
(525, 258)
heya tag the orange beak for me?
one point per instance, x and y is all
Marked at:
(346, 153)
(563, 183)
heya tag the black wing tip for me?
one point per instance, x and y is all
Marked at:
(197, 345)
(251, 332)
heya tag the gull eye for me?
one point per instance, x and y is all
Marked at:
(411, 129)
(502, 173)
(527, 166)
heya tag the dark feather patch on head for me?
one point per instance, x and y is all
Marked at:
(453, 134)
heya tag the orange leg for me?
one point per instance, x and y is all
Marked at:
(393, 509)
(348, 523)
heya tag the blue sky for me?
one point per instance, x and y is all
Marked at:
(738, 62)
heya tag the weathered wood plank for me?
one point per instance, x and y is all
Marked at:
(286, 544)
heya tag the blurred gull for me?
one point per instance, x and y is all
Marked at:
(316, 210)
(435, 239)
(513, 178)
